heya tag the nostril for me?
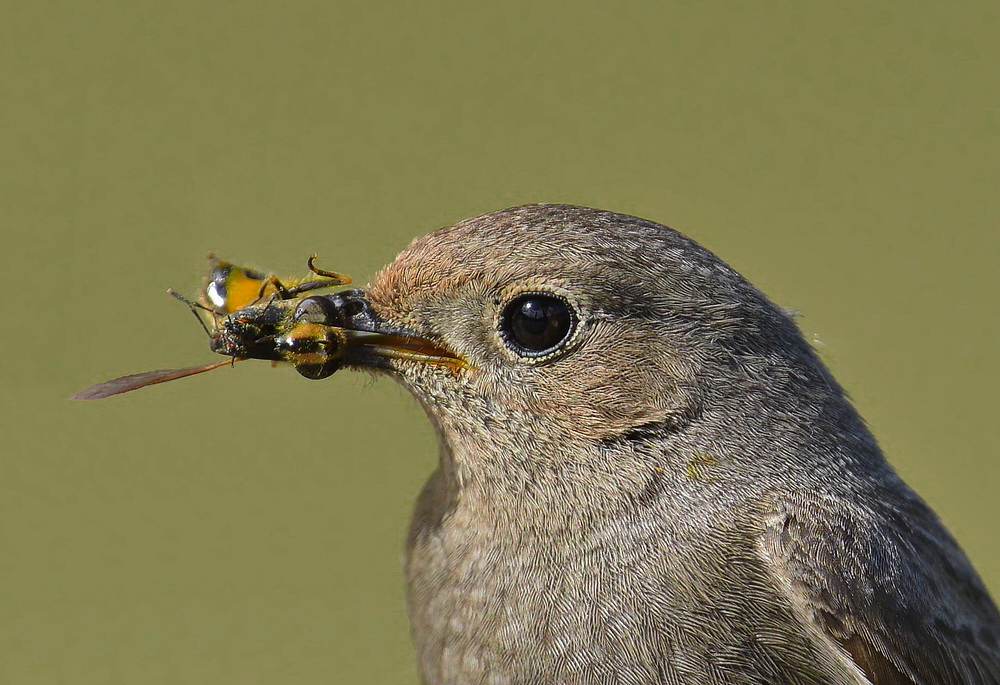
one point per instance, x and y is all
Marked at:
(354, 308)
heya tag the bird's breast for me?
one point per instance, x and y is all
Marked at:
(488, 610)
(626, 600)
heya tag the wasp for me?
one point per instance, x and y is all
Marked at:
(230, 287)
(254, 315)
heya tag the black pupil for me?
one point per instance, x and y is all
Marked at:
(538, 323)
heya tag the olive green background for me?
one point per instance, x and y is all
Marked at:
(245, 526)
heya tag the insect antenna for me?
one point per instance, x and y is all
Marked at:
(194, 307)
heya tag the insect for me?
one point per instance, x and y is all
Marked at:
(292, 329)
(255, 316)
(231, 287)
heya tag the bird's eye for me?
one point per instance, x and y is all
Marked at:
(316, 309)
(535, 324)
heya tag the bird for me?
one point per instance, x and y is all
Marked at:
(646, 475)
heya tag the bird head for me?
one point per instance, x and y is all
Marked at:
(564, 330)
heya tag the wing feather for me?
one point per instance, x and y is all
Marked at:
(887, 584)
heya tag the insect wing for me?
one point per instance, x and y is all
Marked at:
(135, 381)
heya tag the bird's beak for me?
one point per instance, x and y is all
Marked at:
(373, 342)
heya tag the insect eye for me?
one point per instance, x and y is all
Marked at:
(315, 350)
(535, 324)
(320, 370)
(316, 309)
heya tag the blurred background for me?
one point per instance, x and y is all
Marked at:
(245, 526)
